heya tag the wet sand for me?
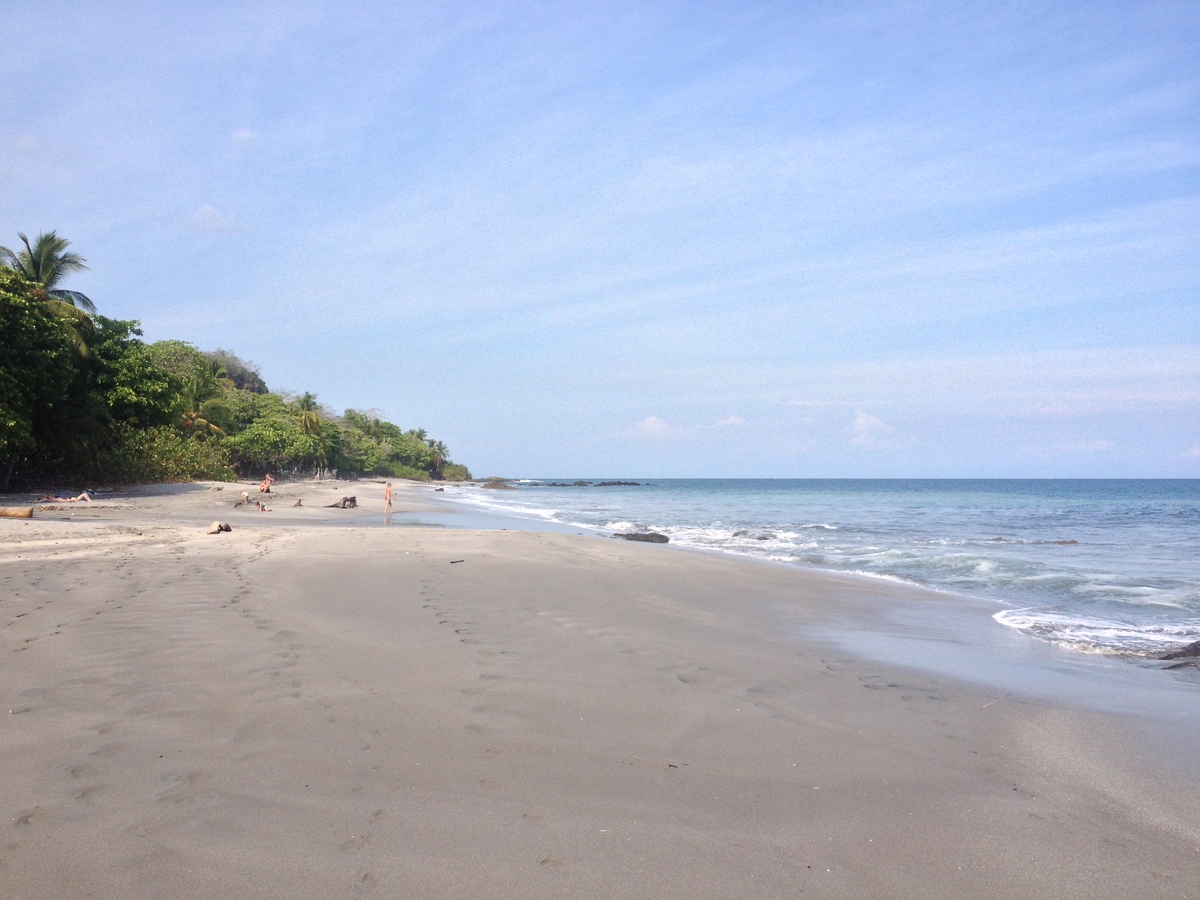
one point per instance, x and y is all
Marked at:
(316, 706)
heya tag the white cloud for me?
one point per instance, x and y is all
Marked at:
(1193, 453)
(210, 220)
(1068, 448)
(731, 422)
(657, 429)
(869, 430)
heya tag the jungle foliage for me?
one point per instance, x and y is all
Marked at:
(83, 399)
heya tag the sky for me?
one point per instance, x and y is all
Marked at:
(649, 239)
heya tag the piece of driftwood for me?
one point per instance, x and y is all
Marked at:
(344, 503)
(16, 512)
(218, 527)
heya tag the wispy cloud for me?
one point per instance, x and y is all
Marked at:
(211, 221)
(1068, 448)
(657, 429)
(869, 430)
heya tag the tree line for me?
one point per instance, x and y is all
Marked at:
(84, 399)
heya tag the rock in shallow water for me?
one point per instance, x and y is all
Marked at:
(1190, 651)
(649, 537)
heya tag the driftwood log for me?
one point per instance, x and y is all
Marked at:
(16, 512)
(344, 503)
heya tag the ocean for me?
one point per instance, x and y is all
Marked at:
(1102, 566)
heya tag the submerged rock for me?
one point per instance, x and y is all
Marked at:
(1191, 651)
(649, 537)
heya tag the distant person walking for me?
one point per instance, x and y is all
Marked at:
(387, 498)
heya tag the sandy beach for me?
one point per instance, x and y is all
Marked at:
(315, 705)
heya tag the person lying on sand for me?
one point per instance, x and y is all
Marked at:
(82, 498)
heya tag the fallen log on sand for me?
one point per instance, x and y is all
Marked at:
(16, 512)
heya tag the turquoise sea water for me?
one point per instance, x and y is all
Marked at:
(1096, 565)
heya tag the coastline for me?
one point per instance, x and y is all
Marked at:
(312, 705)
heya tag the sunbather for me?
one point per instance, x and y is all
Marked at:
(82, 498)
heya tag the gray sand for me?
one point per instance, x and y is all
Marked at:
(306, 709)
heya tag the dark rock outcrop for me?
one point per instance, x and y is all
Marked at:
(649, 537)
(1191, 651)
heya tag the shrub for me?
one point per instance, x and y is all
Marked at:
(162, 454)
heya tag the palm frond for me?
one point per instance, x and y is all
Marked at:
(70, 320)
(74, 298)
(46, 262)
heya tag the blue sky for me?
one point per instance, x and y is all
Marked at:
(650, 239)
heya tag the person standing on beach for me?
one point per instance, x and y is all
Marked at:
(387, 498)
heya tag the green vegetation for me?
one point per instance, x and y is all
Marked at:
(84, 399)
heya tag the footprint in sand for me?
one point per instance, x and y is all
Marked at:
(356, 844)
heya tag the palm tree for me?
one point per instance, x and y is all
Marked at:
(310, 422)
(440, 456)
(46, 263)
(214, 371)
(201, 401)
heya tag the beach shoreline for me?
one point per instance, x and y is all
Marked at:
(312, 705)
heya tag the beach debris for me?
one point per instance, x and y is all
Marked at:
(16, 512)
(218, 527)
(216, 487)
(1191, 651)
(344, 503)
(453, 561)
(299, 502)
(648, 537)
